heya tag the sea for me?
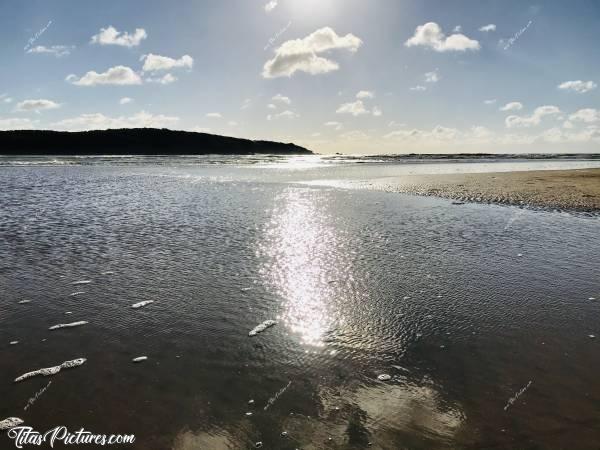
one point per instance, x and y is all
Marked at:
(399, 321)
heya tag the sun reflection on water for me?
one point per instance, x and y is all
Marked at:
(301, 245)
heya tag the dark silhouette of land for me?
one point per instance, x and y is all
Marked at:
(135, 141)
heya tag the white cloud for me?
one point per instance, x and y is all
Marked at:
(365, 94)
(587, 115)
(118, 75)
(14, 123)
(98, 121)
(246, 104)
(418, 88)
(457, 29)
(376, 111)
(512, 106)
(271, 106)
(490, 102)
(486, 28)
(165, 79)
(303, 54)
(432, 77)
(155, 63)
(578, 86)
(36, 105)
(534, 119)
(287, 114)
(5, 98)
(356, 108)
(282, 99)
(431, 35)
(232, 123)
(214, 115)
(271, 6)
(199, 129)
(393, 123)
(335, 125)
(355, 135)
(56, 50)
(110, 36)
(125, 100)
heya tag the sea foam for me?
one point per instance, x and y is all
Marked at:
(48, 371)
(262, 327)
(141, 304)
(10, 422)
(68, 325)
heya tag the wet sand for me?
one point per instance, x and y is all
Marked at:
(562, 189)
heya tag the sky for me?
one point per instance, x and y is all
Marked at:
(348, 76)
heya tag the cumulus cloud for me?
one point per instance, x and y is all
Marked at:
(487, 28)
(587, 115)
(303, 54)
(287, 114)
(512, 106)
(36, 105)
(56, 50)
(214, 115)
(272, 106)
(271, 6)
(534, 119)
(125, 100)
(14, 123)
(98, 121)
(5, 98)
(432, 77)
(365, 94)
(578, 86)
(110, 36)
(118, 75)
(376, 111)
(430, 35)
(165, 79)
(282, 99)
(356, 108)
(156, 63)
(457, 29)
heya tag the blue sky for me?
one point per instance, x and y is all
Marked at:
(334, 75)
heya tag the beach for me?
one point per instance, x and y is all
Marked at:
(561, 189)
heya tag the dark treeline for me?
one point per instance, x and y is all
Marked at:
(134, 141)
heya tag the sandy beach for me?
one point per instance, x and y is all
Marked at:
(563, 189)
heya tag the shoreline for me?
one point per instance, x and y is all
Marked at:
(572, 189)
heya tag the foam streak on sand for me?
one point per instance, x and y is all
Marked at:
(68, 325)
(10, 422)
(262, 327)
(142, 304)
(52, 370)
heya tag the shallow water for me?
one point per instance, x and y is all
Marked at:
(361, 283)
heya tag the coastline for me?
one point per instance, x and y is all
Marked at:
(573, 189)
